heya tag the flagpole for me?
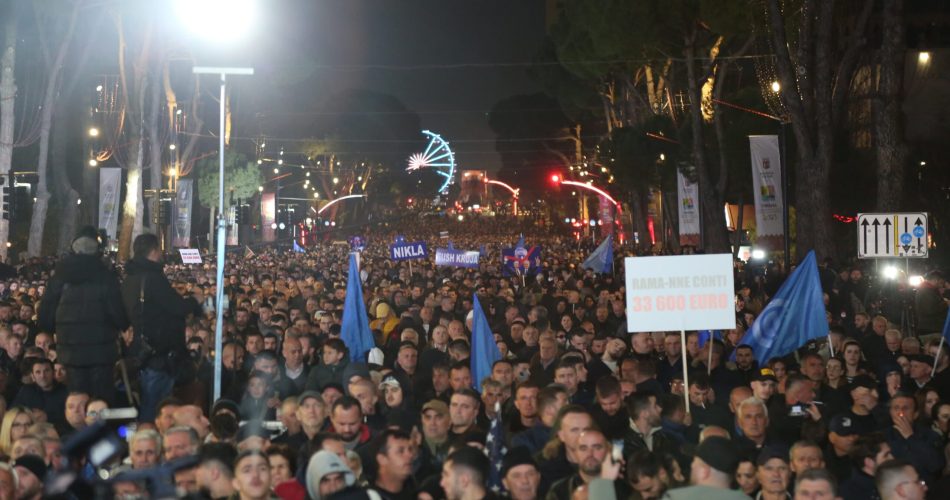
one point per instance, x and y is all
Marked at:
(410, 271)
(711, 344)
(933, 372)
(685, 370)
(831, 346)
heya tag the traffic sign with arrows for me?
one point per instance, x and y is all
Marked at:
(892, 235)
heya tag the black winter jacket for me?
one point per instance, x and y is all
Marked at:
(83, 305)
(161, 319)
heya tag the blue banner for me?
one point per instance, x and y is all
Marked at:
(456, 258)
(520, 259)
(403, 250)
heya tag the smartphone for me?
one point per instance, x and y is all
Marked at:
(617, 452)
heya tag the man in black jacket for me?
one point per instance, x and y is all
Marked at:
(83, 305)
(158, 315)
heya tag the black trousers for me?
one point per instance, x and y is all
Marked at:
(95, 380)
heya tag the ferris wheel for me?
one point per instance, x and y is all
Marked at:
(437, 156)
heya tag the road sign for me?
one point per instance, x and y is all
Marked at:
(892, 235)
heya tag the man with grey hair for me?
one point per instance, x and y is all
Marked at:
(145, 449)
(752, 418)
(180, 441)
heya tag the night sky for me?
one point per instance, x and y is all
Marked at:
(308, 50)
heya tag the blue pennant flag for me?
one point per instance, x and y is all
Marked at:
(484, 349)
(298, 248)
(355, 331)
(704, 336)
(601, 260)
(793, 317)
(495, 442)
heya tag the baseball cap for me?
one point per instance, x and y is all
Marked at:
(390, 381)
(770, 452)
(719, 453)
(439, 406)
(922, 358)
(842, 425)
(765, 374)
(305, 395)
(862, 381)
(519, 455)
(34, 464)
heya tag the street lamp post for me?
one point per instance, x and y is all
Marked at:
(222, 230)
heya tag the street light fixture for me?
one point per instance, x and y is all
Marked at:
(776, 87)
(93, 132)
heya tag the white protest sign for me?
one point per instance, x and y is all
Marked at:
(688, 292)
(190, 255)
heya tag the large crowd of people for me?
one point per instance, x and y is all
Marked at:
(583, 408)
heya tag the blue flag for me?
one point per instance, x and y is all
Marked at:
(298, 248)
(601, 260)
(705, 334)
(793, 317)
(355, 332)
(484, 349)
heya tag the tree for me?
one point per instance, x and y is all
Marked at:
(816, 49)
(65, 26)
(890, 146)
(241, 179)
(7, 94)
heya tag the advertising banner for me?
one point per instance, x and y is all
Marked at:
(687, 194)
(767, 187)
(182, 223)
(110, 186)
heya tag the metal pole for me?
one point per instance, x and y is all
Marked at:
(219, 288)
(219, 283)
(786, 237)
(686, 367)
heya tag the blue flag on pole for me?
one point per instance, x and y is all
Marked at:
(601, 260)
(484, 349)
(355, 332)
(705, 334)
(298, 248)
(793, 317)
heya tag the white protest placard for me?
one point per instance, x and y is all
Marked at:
(687, 292)
(190, 255)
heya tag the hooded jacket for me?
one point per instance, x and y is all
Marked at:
(324, 463)
(161, 318)
(83, 305)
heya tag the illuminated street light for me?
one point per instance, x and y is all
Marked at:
(93, 162)
(219, 21)
(776, 86)
(172, 147)
(93, 132)
(923, 58)
(260, 189)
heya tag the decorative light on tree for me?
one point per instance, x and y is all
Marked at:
(437, 156)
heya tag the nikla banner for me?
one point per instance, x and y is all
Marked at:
(456, 258)
(521, 259)
(767, 187)
(687, 193)
(403, 250)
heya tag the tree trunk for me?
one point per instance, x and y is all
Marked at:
(41, 206)
(715, 237)
(888, 120)
(7, 104)
(153, 125)
(65, 196)
(134, 100)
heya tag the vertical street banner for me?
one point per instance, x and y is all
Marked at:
(182, 225)
(687, 194)
(233, 229)
(110, 186)
(269, 216)
(767, 187)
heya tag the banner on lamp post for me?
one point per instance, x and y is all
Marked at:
(110, 185)
(269, 216)
(687, 195)
(182, 226)
(767, 187)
